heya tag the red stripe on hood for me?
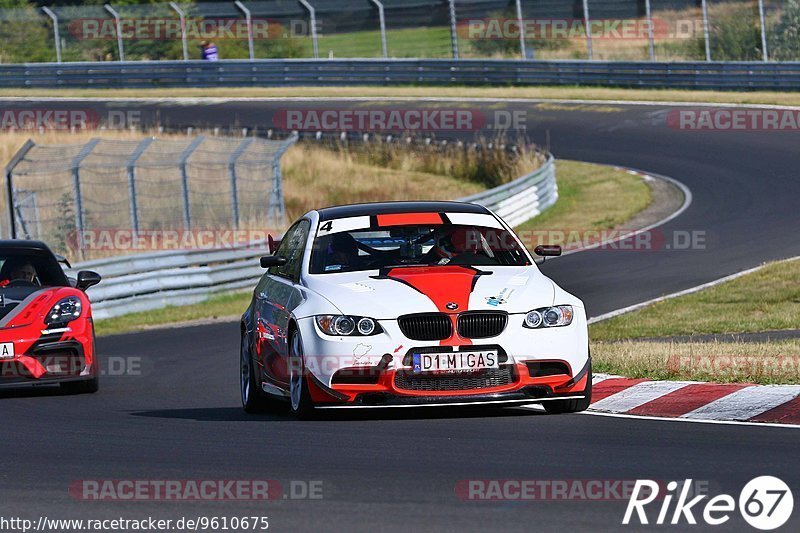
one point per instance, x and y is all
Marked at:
(442, 284)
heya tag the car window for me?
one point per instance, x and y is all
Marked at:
(33, 268)
(415, 245)
(291, 247)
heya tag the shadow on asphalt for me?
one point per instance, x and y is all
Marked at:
(28, 391)
(235, 414)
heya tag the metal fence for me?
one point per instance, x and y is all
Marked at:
(102, 197)
(309, 72)
(151, 281)
(624, 30)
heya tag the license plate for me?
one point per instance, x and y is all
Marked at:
(6, 350)
(455, 361)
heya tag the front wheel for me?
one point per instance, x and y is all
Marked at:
(254, 400)
(300, 403)
(85, 386)
(572, 406)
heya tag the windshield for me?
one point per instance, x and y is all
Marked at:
(30, 268)
(415, 245)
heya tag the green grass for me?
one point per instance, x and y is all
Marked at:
(765, 300)
(223, 306)
(592, 197)
(409, 42)
(768, 299)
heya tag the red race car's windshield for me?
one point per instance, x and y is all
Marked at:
(30, 268)
(415, 245)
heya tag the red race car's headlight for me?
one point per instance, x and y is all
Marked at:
(66, 310)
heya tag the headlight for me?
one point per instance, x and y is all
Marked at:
(344, 325)
(533, 319)
(549, 317)
(66, 310)
(366, 326)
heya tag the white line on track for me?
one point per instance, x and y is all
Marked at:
(746, 403)
(597, 378)
(637, 395)
(693, 420)
(687, 201)
(634, 307)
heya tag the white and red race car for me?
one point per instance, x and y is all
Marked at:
(410, 303)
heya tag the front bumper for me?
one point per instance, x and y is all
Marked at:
(47, 362)
(535, 366)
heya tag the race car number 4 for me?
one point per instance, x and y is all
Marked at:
(6, 350)
(454, 361)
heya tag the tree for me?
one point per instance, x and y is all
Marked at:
(784, 37)
(24, 35)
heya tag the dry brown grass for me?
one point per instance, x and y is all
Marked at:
(451, 91)
(773, 362)
(317, 178)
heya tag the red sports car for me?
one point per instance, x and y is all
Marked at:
(46, 328)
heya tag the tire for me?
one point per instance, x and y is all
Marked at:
(84, 386)
(254, 400)
(300, 403)
(558, 407)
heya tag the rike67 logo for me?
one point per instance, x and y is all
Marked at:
(765, 503)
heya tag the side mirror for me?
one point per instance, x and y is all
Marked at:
(548, 250)
(269, 261)
(86, 279)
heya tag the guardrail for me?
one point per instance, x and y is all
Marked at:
(310, 72)
(152, 281)
(522, 199)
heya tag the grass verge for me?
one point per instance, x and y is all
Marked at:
(768, 299)
(316, 177)
(765, 300)
(450, 91)
(592, 197)
(218, 307)
(765, 363)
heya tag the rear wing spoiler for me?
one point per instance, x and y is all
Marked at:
(63, 260)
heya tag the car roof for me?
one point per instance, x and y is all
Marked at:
(20, 244)
(386, 208)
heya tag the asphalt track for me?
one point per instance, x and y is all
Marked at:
(179, 418)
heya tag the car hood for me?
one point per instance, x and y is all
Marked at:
(11, 298)
(390, 293)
